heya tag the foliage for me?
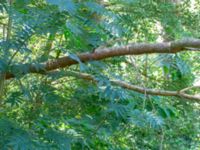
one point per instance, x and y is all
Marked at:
(59, 111)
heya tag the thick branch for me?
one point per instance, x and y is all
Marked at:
(131, 49)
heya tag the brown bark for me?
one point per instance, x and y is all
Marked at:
(181, 94)
(131, 49)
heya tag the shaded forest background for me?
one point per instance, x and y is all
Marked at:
(102, 75)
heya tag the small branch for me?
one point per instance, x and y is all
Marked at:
(49, 44)
(9, 21)
(136, 88)
(4, 31)
(189, 88)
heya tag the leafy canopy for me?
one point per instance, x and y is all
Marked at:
(60, 110)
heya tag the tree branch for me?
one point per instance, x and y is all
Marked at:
(131, 49)
(136, 88)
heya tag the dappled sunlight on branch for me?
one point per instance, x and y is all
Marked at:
(189, 44)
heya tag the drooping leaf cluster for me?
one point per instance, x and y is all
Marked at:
(61, 110)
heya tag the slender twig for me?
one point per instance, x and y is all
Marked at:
(99, 125)
(9, 20)
(17, 50)
(137, 88)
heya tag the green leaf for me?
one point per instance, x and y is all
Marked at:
(74, 28)
(20, 141)
(14, 98)
(67, 5)
(22, 3)
(83, 67)
(95, 7)
(60, 141)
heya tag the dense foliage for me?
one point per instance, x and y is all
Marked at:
(60, 110)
